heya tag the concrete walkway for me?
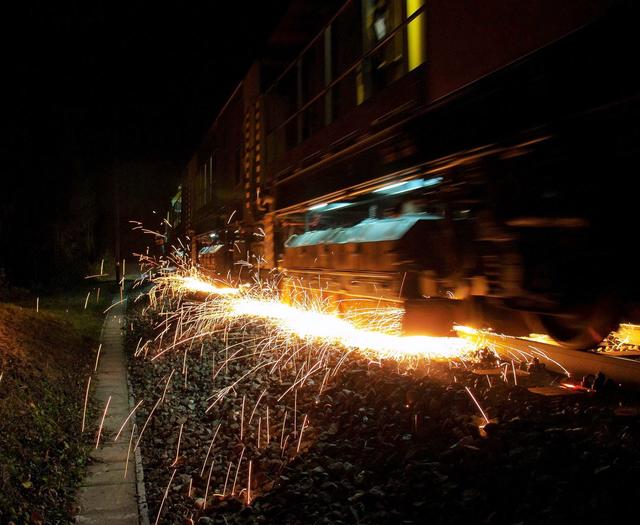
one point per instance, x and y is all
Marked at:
(106, 495)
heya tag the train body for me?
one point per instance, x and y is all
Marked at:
(471, 162)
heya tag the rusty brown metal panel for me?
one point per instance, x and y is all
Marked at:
(469, 39)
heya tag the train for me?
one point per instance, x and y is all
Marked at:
(469, 162)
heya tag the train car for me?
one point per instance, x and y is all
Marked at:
(466, 161)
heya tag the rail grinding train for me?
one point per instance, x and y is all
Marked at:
(471, 162)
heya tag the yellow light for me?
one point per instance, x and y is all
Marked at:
(373, 332)
(193, 284)
(415, 34)
(309, 324)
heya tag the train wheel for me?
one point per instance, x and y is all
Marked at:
(477, 313)
(580, 329)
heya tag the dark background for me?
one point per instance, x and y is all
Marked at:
(107, 97)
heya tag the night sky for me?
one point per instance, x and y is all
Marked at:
(100, 88)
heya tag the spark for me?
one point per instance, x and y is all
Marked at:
(284, 445)
(304, 422)
(194, 284)
(304, 337)
(235, 479)
(242, 418)
(206, 492)
(113, 305)
(165, 495)
(268, 435)
(86, 399)
(284, 419)
(259, 429)
(209, 451)
(477, 404)
(104, 414)
(164, 392)
(309, 324)
(249, 484)
(256, 406)
(545, 356)
(126, 465)
(295, 412)
(95, 368)
(128, 418)
(226, 480)
(147, 422)
(175, 461)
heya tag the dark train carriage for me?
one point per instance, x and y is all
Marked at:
(461, 158)
(211, 186)
(224, 188)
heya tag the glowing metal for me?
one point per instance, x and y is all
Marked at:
(308, 324)
(194, 284)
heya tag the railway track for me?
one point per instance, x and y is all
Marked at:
(619, 362)
(623, 366)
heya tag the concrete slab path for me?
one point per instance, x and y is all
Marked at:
(108, 494)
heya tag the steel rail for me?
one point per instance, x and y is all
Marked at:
(624, 371)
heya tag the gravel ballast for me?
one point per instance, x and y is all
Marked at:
(369, 442)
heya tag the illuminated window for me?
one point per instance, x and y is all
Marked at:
(415, 35)
(386, 64)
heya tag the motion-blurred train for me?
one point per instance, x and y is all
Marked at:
(472, 162)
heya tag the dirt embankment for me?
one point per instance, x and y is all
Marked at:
(44, 364)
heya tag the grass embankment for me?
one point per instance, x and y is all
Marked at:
(45, 360)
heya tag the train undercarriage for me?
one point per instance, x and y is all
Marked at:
(526, 237)
(520, 238)
(488, 238)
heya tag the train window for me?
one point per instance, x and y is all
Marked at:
(200, 187)
(367, 47)
(347, 45)
(205, 185)
(346, 38)
(386, 64)
(212, 163)
(238, 174)
(312, 70)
